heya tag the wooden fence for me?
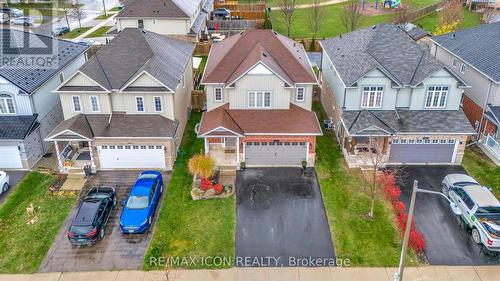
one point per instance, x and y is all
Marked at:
(235, 24)
(424, 11)
(234, 6)
(197, 99)
(202, 48)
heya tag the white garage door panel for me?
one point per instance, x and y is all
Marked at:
(275, 155)
(10, 157)
(131, 158)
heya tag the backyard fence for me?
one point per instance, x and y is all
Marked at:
(202, 48)
(197, 99)
(424, 11)
(229, 25)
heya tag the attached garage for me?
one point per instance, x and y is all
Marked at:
(10, 158)
(132, 156)
(275, 153)
(422, 153)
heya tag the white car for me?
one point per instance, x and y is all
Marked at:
(480, 209)
(22, 20)
(4, 182)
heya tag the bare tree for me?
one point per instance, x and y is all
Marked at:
(66, 7)
(351, 15)
(78, 14)
(452, 13)
(287, 9)
(401, 15)
(488, 16)
(376, 157)
(316, 17)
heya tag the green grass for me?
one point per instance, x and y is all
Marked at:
(365, 242)
(482, 169)
(103, 16)
(100, 32)
(274, 3)
(188, 228)
(23, 247)
(430, 22)
(115, 9)
(75, 33)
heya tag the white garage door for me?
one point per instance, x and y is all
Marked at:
(132, 156)
(10, 158)
(275, 153)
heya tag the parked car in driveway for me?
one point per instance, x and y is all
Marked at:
(92, 216)
(59, 31)
(480, 210)
(140, 206)
(4, 182)
(23, 20)
(452, 180)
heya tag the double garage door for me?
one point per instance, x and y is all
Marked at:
(132, 156)
(10, 158)
(275, 153)
(423, 153)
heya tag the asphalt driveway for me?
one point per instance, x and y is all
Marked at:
(447, 241)
(280, 218)
(14, 178)
(116, 250)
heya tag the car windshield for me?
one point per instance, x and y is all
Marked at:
(489, 210)
(81, 229)
(138, 202)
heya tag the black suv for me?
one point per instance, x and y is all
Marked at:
(92, 216)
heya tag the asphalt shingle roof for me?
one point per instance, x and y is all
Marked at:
(383, 46)
(407, 121)
(17, 127)
(151, 8)
(30, 78)
(133, 51)
(479, 46)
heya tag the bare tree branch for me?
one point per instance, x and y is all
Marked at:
(287, 9)
(316, 17)
(351, 15)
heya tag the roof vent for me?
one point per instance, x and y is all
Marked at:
(340, 35)
(375, 26)
(275, 33)
(453, 35)
(264, 54)
(294, 43)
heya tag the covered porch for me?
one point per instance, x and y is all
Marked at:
(365, 151)
(74, 152)
(224, 149)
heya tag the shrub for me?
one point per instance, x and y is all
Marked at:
(201, 165)
(218, 188)
(416, 241)
(205, 184)
(398, 207)
(392, 193)
(387, 179)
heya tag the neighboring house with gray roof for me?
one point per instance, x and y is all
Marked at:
(474, 55)
(28, 108)
(185, 19)
(127, 107)
(381, 89)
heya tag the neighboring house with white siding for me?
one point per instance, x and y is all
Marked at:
(127, 107)
(259, 88)
(28, 108)
(474, 55)
(184, 19)
(380, 87)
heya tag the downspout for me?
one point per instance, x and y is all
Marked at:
(343, 102)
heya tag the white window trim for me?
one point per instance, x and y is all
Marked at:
(98, 105)
(375, 98)
(263, 100)
(463, 68)
(4, 101)
(454, 62)
(303, 94)
(439, 100)
(79, 103)
(221, 94)
(161, 104)
(143, 104)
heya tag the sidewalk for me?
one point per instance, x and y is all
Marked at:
(425, 273)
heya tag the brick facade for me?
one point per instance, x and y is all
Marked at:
(474, 113)
(328, 101)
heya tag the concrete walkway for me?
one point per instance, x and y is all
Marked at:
(96, 27)
(425, 273)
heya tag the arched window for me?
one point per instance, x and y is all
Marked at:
(7, 104)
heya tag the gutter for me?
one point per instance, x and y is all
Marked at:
(484, 109)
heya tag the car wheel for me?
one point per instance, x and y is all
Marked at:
(476, 237)
(101, 233)
(5, 187)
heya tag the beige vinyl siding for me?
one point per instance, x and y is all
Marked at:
(238, 96)
(68, 109)
(439, 78)
(160, 26)
(333, 79)
(22, 102)
(81, 80)
(130, 104)
(307, 103)
(182, 100)
(372, 78)
(145, 80)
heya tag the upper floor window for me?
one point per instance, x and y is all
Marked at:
(372, 97)
(77, 106)
(300, 94)
(462, 68)
(454, 63)
(436, 97)
(140, 24)
(218, 94)
(259, 99)
(94, 103)
(139, 102)
(61, 77)
(157, 104)
(7, 104)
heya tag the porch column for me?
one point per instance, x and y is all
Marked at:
(207, 146)
(307, 152)
(91, 154)
(237, 151)
(58, 154)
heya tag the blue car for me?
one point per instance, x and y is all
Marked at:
(141, 203)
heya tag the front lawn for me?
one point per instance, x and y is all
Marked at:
(75, 33)
(100, 32)
(103, 16)
(23, 246)
(430, 22)
(188, 228)
(365, 242)
(482, 169)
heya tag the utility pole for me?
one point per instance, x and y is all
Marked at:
(104, 6)
(398, 276)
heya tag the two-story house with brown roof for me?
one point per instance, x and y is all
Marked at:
(126, 108)
(259, 87)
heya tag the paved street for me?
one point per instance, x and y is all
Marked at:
(14, 178)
